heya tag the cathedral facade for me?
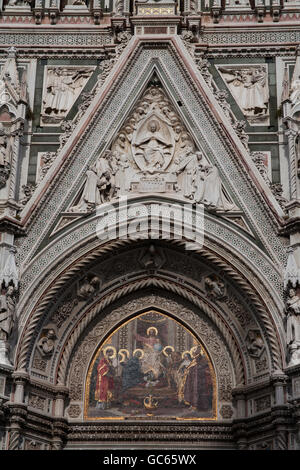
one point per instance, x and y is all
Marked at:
(149, 224)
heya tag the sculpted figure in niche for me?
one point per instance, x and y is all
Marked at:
(250, 88)
(4, 159)
(7, 312)
(295, 92)
(152, 258)
(293, 327)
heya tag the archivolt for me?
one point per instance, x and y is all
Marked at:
(153, 282)
(240, 278)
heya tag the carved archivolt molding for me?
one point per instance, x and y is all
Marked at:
(182, 313)
(229, 168)
(26, 341)
(210, 337)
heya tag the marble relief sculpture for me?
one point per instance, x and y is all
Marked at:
(7, 308)
(293, 327)
(7, 320)
(153, 152)
(62, 87)
(4, 158)
(19, 3)
(249, 86)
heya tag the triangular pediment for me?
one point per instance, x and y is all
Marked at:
(153, 152)
(153, 158)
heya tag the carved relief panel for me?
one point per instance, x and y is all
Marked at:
(153, 153)
(248, 85)
(62, 86)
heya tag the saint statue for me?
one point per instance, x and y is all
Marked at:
(209, 189)
(3, 151)
(293, 327)
(295, 92)
(7, 313)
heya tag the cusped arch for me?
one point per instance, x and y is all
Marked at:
(227, 374)
(167, 360)
(235, 269)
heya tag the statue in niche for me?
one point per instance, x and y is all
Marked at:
(295, 92)
(7, 312)
(100, 183)
(152, 258)
(293, 327)
(119, 7)
(249, 87)
(4, 159)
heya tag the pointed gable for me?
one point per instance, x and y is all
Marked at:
(194, 106)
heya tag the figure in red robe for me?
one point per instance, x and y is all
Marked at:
(104, 383)
(197, 388)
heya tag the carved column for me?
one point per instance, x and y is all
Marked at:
(60, 426)
(279, 381)
(60, 401)
(291, 135)
(241, 405)
(20, 380)
(239, 427)
(18, 415)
